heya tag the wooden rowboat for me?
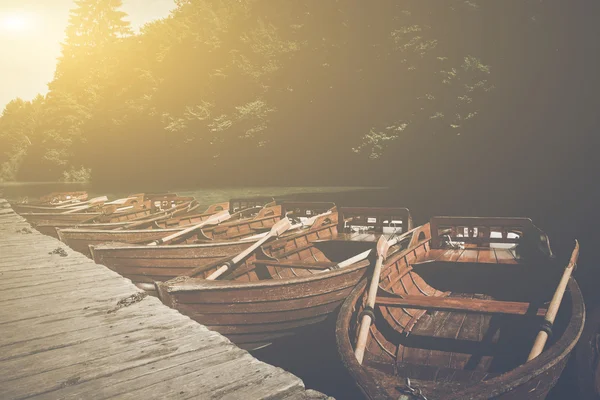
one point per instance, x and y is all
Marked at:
(153, 227)
(49, 218)
(141, 210)
(49, 203)
(145, 264)
(30, 208)
(55, 198)
(288, 284)
(98, 204)
(110, 218)
(58, 197)
(79, 238)
(459, 304)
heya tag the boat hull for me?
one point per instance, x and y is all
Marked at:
(532, 380)
(51, 228)
(50, 218)
(254, 314)
(80, 239)
(28, 208)
(47, 223)
(144, 265)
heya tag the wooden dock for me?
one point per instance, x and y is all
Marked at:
(73, 329)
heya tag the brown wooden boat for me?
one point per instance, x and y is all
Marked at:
(58, 197)
(145, 264)
(97, 204)
(49, 218)
(55, 198)
(112, 216)
(80, 237)
(459, 304)
(30, 208)
(587, 354)
(61, 207)
(292, 282)
(49, 203)
(149, 228)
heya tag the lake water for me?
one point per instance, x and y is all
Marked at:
(205, 196)
(313, 356)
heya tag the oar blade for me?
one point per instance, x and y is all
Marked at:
(218, 218)
(382, 246)
(281, 226)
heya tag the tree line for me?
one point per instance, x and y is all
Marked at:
(260, 91)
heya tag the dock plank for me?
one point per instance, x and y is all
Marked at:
(63, 335)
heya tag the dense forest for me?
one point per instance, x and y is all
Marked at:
(228, 90)
(294, 91)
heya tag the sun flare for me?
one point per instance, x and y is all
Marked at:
(15, 22)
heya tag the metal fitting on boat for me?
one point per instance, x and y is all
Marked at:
(546, 326)
(368, 310)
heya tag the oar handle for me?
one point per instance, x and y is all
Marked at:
(226, 266)
(367, 318)
(277, 229)
(367, 315)
(542, 336)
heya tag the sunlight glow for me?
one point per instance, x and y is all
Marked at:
(16, 22)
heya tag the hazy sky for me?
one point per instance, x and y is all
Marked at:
(30, 36)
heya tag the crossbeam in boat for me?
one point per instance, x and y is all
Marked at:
(465, 305)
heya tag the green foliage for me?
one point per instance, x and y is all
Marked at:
(229, 83)
(79, 175)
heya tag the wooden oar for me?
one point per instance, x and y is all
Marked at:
(365, 254)
(90, 204)
(542, 336)
(277, 229)
(212, 220)
(382, 249)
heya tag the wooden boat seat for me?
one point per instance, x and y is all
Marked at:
(454, 330)
(484, 255)
(356, 237)
(459, 331)
(297, 264)
(462, 304)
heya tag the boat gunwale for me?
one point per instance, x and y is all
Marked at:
(127, 246)
(179, 285)
(79, 230)
(491, 388)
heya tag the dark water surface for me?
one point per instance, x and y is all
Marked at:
(313, 355)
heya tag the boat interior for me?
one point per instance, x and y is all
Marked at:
(460, 301)
(322, 247)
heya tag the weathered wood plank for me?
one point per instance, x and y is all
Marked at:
(63, 335)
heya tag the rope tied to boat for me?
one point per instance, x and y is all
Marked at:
(413, 391)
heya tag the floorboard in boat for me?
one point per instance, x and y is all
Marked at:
(65, 334)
